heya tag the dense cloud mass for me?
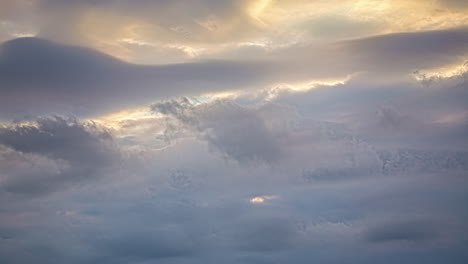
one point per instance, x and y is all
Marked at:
(223, 124)
(47, 155)
(240, 132)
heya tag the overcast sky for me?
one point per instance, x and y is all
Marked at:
(242, 131)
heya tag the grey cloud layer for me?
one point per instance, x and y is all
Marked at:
(373, 170)
(405, 231)
(341, 194)
(78, 80)
(358, 166)
(81, 81)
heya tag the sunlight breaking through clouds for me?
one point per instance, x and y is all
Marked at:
(262, 199)
(245, 131)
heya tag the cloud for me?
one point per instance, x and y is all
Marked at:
(269, 146)
(29, 173)
(455, 4)
(387, 56)
(102, 24)
(340, 27)
(144, 246)
(241, 133)
(402, 231)
(419, 49)
(60, 151)
(211, 24)
(265, 235)
(84, 82)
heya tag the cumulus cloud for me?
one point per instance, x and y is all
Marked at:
(59, 151)
(241, 133)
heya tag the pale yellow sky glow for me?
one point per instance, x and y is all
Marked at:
(125, 35)
(256, 9)
(300, 21)
(117, 120)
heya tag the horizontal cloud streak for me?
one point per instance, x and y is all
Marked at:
(79, 80)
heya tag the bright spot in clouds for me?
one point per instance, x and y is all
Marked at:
(262, 199)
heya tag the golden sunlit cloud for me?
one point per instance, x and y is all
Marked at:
(306, 86)
(262, 199)
(301, 87)
(263, 23)
(442, 72)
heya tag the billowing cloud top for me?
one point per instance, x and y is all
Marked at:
(240, 131)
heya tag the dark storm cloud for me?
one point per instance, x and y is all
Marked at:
(67, 150)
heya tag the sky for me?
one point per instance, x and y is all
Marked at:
(242, 131)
